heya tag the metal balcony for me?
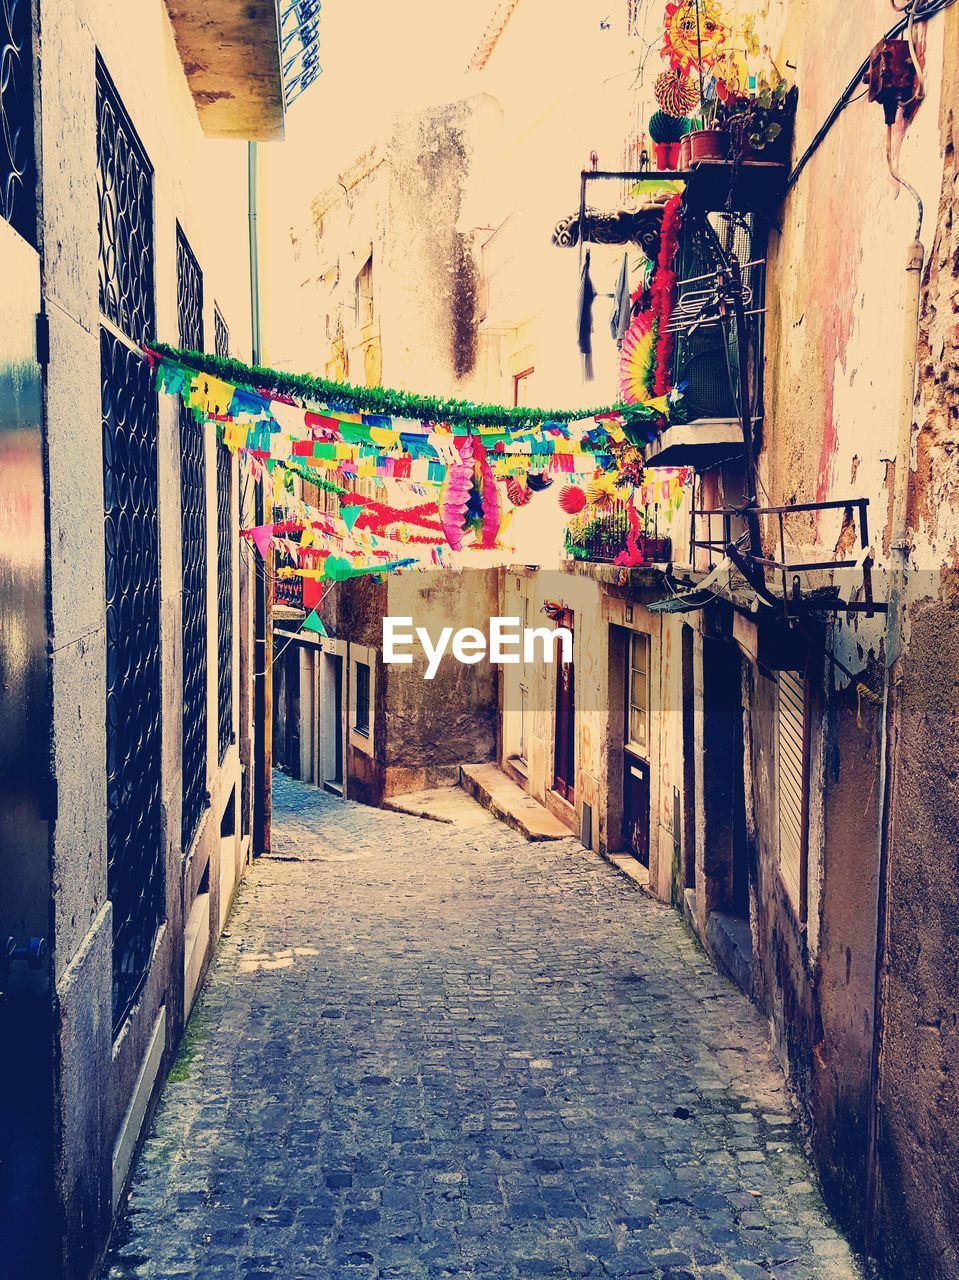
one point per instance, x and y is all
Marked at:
(780, 579)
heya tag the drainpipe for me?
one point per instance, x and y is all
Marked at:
(262, 701)
(899, 549)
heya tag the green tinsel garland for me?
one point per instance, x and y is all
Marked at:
(314, 477)
(382, 400)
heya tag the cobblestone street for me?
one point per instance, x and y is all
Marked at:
(428, 1050)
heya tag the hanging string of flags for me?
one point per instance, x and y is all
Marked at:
(447, 460)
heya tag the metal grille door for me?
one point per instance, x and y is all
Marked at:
(135, 871)
(193, 551)
(793, 749)
(18, 192)
(224, 572)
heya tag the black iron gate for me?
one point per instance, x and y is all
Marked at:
(193, 552)
(224, 571)
(135, 871)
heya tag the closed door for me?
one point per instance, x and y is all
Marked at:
(564, 768)
(636, 807)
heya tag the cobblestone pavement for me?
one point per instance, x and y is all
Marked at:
(428, 1051)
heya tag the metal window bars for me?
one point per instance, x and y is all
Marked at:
(193, 556)
(135, 850)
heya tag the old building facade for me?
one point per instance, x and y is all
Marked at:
(784, 805)
(752, 759)
(126, 636)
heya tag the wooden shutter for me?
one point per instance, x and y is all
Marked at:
(792, 766)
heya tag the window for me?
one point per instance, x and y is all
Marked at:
(637, 727)
(522, 384)
(18, 191)
(363, 294)
(135, 843)
(361, 713)
(792, 765)
(194, 555)
(224, 570)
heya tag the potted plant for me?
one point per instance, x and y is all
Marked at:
(666, 132)
(759, 125)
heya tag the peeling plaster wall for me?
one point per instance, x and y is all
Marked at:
(430, 288)
(833, 366)
(918, 1132)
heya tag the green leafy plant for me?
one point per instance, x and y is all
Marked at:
(756, 121)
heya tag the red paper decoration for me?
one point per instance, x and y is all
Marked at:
(572, 499)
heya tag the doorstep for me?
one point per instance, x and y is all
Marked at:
(488, 784)
(729, 941)
(630, 867)
(451, 805)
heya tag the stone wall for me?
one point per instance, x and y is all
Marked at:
(917, 1223)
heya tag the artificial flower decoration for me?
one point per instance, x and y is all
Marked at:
(694, 36)
(601, 490)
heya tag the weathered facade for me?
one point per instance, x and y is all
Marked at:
(389, 277)
(786, 782)
(799, 776)
(126, 628)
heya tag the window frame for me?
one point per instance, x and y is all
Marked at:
(640, 748)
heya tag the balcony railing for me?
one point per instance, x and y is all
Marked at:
(778, 577)
(606, 536)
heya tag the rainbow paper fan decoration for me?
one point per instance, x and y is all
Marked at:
(636, 359)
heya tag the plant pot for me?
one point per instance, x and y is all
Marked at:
(684, 152)
(775, 152)
(666, 156)
(707, 144)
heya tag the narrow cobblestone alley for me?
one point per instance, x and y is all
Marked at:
(429, 1051)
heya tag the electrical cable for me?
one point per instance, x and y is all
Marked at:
(894, 172)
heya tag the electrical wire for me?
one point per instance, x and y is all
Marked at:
(894, 172)
(917, 13)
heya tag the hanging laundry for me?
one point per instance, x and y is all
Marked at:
(586, 296)
(622, 305)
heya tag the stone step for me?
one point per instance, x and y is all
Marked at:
(451, 805)
(510, 803)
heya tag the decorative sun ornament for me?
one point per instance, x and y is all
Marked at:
(676, 94)
(636, 359)
(693, 42)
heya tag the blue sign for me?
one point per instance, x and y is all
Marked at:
(299, 47)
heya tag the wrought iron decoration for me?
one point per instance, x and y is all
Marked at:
(135, 868)
(224, 571)
(17, 168)
(193, 554)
